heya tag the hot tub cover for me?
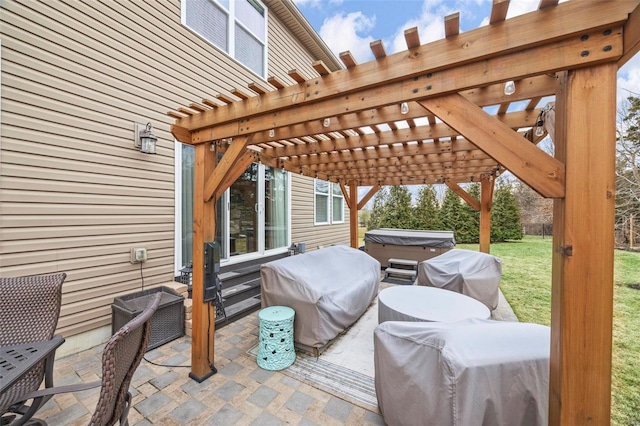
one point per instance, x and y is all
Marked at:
(328, 289)
(464, 271)
(465, 373)
(411, 237)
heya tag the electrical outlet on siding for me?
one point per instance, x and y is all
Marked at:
(138, 255)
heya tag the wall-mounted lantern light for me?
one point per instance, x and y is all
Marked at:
(145, 140)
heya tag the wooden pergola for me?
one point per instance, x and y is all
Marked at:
(350, 127)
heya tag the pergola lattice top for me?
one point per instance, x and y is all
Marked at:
(348, 126)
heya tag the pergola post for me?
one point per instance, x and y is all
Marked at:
(353, 214)
(486, 198)
(203, 314)
(583, 242)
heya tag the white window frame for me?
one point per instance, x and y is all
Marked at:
(315, 210)
(231, 23)
(340, 196)
(177, 221)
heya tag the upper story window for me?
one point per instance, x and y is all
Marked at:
(238, 27)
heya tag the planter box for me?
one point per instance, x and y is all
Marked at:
(167, 323)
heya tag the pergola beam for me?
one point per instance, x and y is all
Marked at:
(542, 85)
(519, 64)
(225, 166)
(539, 32)
(475, 204)
(631, 37)
(434, 153)
(389, 166)
(486, 198)
(368, 196)
(583, 246)
(533, 166)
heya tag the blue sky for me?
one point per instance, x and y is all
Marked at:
(353, 24)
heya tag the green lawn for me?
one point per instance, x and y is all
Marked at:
(526, 283)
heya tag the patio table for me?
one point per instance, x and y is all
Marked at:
(418, 303)
(18, 360)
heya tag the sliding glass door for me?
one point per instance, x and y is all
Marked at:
(243, 212)
(252, 217)
(276, 211)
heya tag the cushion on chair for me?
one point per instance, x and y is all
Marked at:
(468, 373)
(329, 289)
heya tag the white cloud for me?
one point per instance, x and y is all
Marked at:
(349, 32)
(629, 79)
(430, 25)
(316, 3)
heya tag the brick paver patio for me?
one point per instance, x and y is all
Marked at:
(240, 394)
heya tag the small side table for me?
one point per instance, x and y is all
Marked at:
(275, 347)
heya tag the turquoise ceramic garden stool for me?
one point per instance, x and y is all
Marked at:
(275, 347)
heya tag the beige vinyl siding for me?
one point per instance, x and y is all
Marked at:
(302, 209)
(75, 195)
(285, 52)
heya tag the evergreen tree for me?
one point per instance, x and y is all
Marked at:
(427, 212)
(397, 213)
(379, 206)
(505, 215)
(469, 219)
(450, 212)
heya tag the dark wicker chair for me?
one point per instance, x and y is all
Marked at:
(120, 359)
(29, 312)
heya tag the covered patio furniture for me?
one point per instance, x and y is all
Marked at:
(120, 359)
(468, 272)
(472, 372)
(29, 311)
(328, 289)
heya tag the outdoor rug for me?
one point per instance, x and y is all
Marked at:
(337, 380)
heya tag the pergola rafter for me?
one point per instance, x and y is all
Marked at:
(350, 126)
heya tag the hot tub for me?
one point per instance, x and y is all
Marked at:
(386, 243)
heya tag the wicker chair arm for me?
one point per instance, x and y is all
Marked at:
(62, 389)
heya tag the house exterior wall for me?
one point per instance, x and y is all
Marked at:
(75, 195)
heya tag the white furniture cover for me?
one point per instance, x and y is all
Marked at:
(464, 271)
(419, 303)
(329, 289)
(468, 373)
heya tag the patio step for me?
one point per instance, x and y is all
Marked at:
(240, 292)
(403, 264)
(403, 269)
(232, 278)
(238, 310)
(405, 273)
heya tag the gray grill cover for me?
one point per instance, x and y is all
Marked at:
(467, 373)
(328, 288)
(468, 272)
(411, 237)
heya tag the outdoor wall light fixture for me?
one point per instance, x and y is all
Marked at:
(509, 88)
(145, 140)
(404, 108)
